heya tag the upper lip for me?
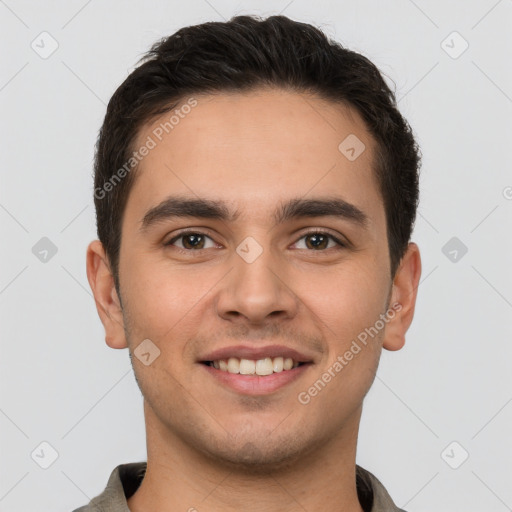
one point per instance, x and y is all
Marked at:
(255, 353)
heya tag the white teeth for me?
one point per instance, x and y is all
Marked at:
(233, 365)
(247, 367)
(266, 366)
(278, 364)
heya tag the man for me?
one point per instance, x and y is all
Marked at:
(255, 189)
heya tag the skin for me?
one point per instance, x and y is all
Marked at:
(208, 446)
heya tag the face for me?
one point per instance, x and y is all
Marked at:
(282, 255)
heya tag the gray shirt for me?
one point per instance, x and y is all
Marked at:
(126, 478)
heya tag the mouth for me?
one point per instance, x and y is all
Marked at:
(255, 377)
(260, 367)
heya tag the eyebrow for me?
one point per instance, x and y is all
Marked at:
(179, 206)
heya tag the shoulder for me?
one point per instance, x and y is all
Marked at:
(122, 483)
(371, 491)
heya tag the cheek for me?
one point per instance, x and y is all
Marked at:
(346, 301)
(347, 311)
(166, 305)
(150, 284)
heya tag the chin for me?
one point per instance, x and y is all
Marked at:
(257, 456)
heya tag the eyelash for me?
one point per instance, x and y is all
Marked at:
(313, 232)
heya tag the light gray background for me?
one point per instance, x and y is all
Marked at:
(61, 384)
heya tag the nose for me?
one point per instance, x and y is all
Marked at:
(253, 292)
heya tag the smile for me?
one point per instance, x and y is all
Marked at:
(255, 377)
(260, 367)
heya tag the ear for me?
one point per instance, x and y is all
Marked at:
(403, 298)
(107, 301)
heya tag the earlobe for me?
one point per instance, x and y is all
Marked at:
(107, 301)
(404, 292)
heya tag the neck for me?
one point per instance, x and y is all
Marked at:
(178, 477)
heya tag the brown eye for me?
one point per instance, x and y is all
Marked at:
(190, 241)
(319, 241)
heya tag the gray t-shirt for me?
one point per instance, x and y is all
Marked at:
(126, 478)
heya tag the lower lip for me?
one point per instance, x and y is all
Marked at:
(256, 384)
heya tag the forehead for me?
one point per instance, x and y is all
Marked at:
(256, 149)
